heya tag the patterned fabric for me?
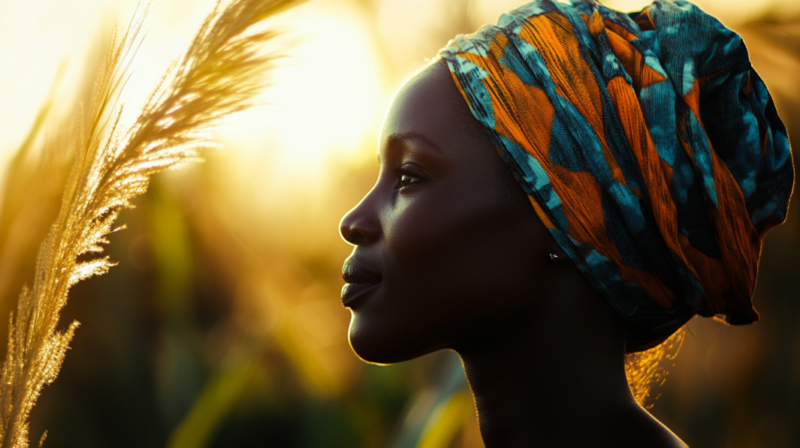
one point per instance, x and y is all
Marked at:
(647, 144)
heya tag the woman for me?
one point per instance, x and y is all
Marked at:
(641, 164)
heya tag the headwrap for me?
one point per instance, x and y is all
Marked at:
(647, 144)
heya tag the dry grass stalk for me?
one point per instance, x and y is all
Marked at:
(220, 74)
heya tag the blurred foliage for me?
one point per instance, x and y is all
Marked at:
(222, 325)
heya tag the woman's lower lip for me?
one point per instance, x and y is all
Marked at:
(354, 292)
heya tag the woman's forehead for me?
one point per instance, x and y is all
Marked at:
(426, 106)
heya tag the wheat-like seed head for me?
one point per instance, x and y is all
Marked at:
(220, 74)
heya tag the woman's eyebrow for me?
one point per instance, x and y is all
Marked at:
(411, 141)
(416, 137)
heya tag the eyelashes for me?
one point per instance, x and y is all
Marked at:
(408, 175)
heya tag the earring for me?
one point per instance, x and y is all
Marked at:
(554, 256)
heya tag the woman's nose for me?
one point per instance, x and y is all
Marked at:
(360, 225)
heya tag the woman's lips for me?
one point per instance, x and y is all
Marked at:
(352, 293)
(360, 280)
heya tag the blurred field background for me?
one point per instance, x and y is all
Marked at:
(222, 324)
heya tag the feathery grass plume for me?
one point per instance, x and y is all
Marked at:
(220, 73)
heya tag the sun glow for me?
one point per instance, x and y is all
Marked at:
(330, 96)
(38, 44)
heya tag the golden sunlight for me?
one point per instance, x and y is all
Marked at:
(222, 323)
(36, 39)
(330, 96)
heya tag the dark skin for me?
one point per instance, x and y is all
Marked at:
(449, 254)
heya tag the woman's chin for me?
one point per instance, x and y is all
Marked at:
(370, 348)
(372, 355)
(376, 347)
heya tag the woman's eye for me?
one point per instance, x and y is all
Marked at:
(406, 178)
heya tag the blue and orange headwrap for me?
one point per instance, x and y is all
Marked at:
(647, 144)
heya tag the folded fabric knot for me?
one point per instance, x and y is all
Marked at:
(647, 144)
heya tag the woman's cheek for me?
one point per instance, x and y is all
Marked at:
(417, 229)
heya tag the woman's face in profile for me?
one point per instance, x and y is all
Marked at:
(448, 249)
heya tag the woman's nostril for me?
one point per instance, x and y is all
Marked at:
(358, 227)
(353, 233)
(356, 238)
(357, 235)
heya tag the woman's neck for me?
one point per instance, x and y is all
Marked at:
(557, 388)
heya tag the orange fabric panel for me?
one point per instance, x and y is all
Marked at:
(553, 36)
